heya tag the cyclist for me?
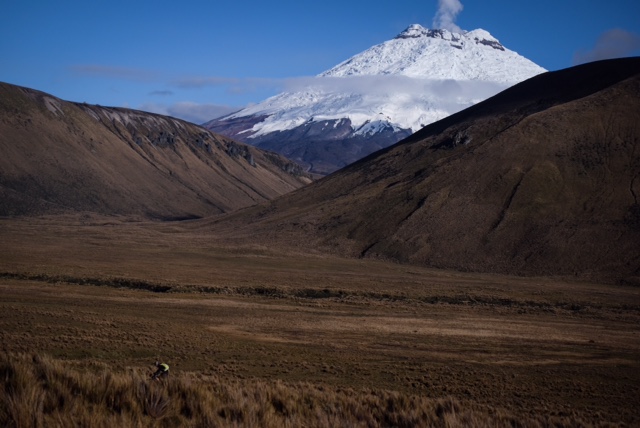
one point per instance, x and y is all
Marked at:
(161, 372)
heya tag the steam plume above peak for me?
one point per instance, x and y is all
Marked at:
(446, 15)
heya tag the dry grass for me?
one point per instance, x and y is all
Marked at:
(40, 391)
(365, 342)
(59, 156)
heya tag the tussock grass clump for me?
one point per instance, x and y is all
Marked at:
(38, 391)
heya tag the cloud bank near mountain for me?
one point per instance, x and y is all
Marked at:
(189, 111)
(615, 43)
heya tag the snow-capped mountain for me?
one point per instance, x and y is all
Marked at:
(379, 96)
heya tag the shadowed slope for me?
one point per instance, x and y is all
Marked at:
(542, 179)
(59, 156)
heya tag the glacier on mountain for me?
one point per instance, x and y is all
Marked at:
(419, 77)
(378, 96)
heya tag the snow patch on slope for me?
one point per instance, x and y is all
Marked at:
(53, 105)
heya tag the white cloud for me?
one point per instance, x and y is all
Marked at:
(201, 82)
(382, 85)
(616, 43)
(411, 102)
(446, 15)
(190, 111)
(394, 84)
(161, 93)
(124, 73)
(231, 84)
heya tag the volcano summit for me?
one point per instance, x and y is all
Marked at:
(378, 97)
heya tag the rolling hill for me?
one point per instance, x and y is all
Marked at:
(541, 179)
(61, 157)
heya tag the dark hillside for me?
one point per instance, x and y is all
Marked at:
(542, 179)
(60, 157)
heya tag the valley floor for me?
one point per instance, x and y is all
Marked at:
(124, 294)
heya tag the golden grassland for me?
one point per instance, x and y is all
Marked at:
(257, 337)
(40, 391)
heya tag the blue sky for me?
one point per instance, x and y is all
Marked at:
(197, 59)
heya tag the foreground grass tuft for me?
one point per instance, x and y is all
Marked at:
(38, 391)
